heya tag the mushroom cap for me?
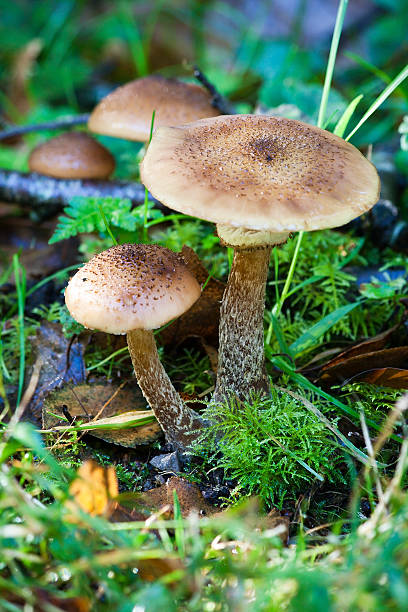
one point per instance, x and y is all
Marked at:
(73, 155)
(127, 111)
(131, 286)
(259, 172)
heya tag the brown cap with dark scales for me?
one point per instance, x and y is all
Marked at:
(131, 286)
(127, 111)
(73, 155)
(259, 172)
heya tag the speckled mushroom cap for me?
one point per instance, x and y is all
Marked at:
(131, 286)
(73, 155)
(127, 111)
(259, 172)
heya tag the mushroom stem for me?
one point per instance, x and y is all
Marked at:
(241, 365)
(177, 420)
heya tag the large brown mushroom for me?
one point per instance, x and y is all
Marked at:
(258, 178)
(127, 111)
(73, 155)
(132, 289)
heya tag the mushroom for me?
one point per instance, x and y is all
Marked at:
(127, 111)
(259, 178)
(73, 155)
(132, 289)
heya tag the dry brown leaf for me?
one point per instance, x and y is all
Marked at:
(115, 401)
(368, 346)
(354, 366)
(385, 377)
(94, 491)
(189, 495)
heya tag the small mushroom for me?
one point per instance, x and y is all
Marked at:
(127, 111)
(73, 155)
(132, 289)
(258, 178)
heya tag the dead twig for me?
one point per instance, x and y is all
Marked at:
(218, 101)
(58, 124)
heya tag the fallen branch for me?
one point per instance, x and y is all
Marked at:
(218, 101)
(58, 124)
(46, 195)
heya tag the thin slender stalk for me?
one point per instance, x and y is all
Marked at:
(341, 13)
(146, 198)
(20, 281)
(278, 307)
(381, 98)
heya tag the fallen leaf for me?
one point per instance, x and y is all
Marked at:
(202, 319)
(395, 378)
(367, 346)
(189, 495)
(61, 362)
(119, 405)
(153, 569)
(94, 491)
(353, 366)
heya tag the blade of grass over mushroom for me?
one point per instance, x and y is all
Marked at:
(146, 200)
(344, 120)
(381, 98)
(20, 280)
(107, 226)
(341, 13)
(310, 338)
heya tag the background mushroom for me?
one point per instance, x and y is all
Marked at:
(132, 289)
(127, 111)
(73, 155)
(259, 178)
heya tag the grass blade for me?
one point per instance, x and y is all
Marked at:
(346, 116)
(20, 280)
(311, 336)
(341, 13)
(381, 98)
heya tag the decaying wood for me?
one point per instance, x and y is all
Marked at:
(46, 195)
(58, 124)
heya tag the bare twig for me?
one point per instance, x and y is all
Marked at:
(58, 124)
(46, 195)
(218, 101)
